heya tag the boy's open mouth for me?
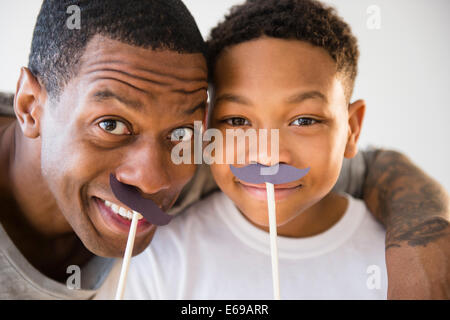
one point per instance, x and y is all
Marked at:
(259, 192)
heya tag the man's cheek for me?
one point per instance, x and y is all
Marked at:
(83, 162)
(179, 176)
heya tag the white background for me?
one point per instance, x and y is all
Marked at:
(404, 69)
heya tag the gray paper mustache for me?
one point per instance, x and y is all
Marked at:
(277, 174)
(131, 197)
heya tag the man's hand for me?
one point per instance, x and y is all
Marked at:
(415, 211)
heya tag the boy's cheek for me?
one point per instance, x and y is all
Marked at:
(326, 173)
(222, 175)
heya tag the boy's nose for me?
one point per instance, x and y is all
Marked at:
(271, 149)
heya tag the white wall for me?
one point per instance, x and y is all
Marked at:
(404, 69)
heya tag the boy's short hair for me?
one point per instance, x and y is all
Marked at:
(158, 24)
(304, 20)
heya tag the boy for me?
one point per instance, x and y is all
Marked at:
(288, 65)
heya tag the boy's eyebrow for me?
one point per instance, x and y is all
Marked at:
(300, 97)
(296, 98)
(232, 98)
(108, 94)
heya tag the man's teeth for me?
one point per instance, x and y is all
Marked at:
(121, 211)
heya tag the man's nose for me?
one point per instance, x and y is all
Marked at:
(145, 168)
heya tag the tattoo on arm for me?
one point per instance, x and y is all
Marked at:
(412, 206)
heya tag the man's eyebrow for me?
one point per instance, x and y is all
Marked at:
(199, 106)
(232, 98)
(108, 94)
(300, 97)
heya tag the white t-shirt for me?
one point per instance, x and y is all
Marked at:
(212, 252)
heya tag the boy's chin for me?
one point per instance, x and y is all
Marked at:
(263, 220)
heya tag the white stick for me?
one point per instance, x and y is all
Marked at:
(127, 256)
(273, 239)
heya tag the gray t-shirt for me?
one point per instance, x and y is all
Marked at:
(20, 280)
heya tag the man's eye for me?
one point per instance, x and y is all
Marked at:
(114, 127)
(181, 134)
(236, 121)
(304, 122)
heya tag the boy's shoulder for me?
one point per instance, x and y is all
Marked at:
(362, 223)
(356, 210)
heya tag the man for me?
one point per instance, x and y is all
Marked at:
(109, 98)
(103, 99)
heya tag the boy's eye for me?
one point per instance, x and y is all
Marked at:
(114, 127)
(182, 134)
(304, 122)
(237, 121)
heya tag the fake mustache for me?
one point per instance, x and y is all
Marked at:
(131, 197)
(277, 174)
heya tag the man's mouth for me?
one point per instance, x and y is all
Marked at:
(127, 214)
(118, 218)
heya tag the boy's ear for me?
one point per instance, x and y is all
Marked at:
(27, 103)
(356, 111)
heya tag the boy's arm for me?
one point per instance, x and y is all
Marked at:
(415, 211)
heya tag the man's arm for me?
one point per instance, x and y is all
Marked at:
(415, 211)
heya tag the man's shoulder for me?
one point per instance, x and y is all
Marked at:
(20, 280)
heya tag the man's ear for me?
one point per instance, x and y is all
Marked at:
(28, 103)
(356, 111)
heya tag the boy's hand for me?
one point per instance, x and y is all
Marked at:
(415, 210)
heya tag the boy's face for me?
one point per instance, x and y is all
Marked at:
(291, 86)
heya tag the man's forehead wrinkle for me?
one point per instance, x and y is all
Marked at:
(199, 76)
(129, 74)
(182, 91)
(103, 49)
(104, 94)
(201, 105)
(175, 72)
(184, 104)
(151, 76)
(121, 81)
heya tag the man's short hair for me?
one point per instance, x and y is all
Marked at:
(304, 20)
(56, 49)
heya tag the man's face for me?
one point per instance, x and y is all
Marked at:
(291, 86)
(118, 116)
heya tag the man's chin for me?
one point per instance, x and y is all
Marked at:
(116, 248)
(119, 251)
